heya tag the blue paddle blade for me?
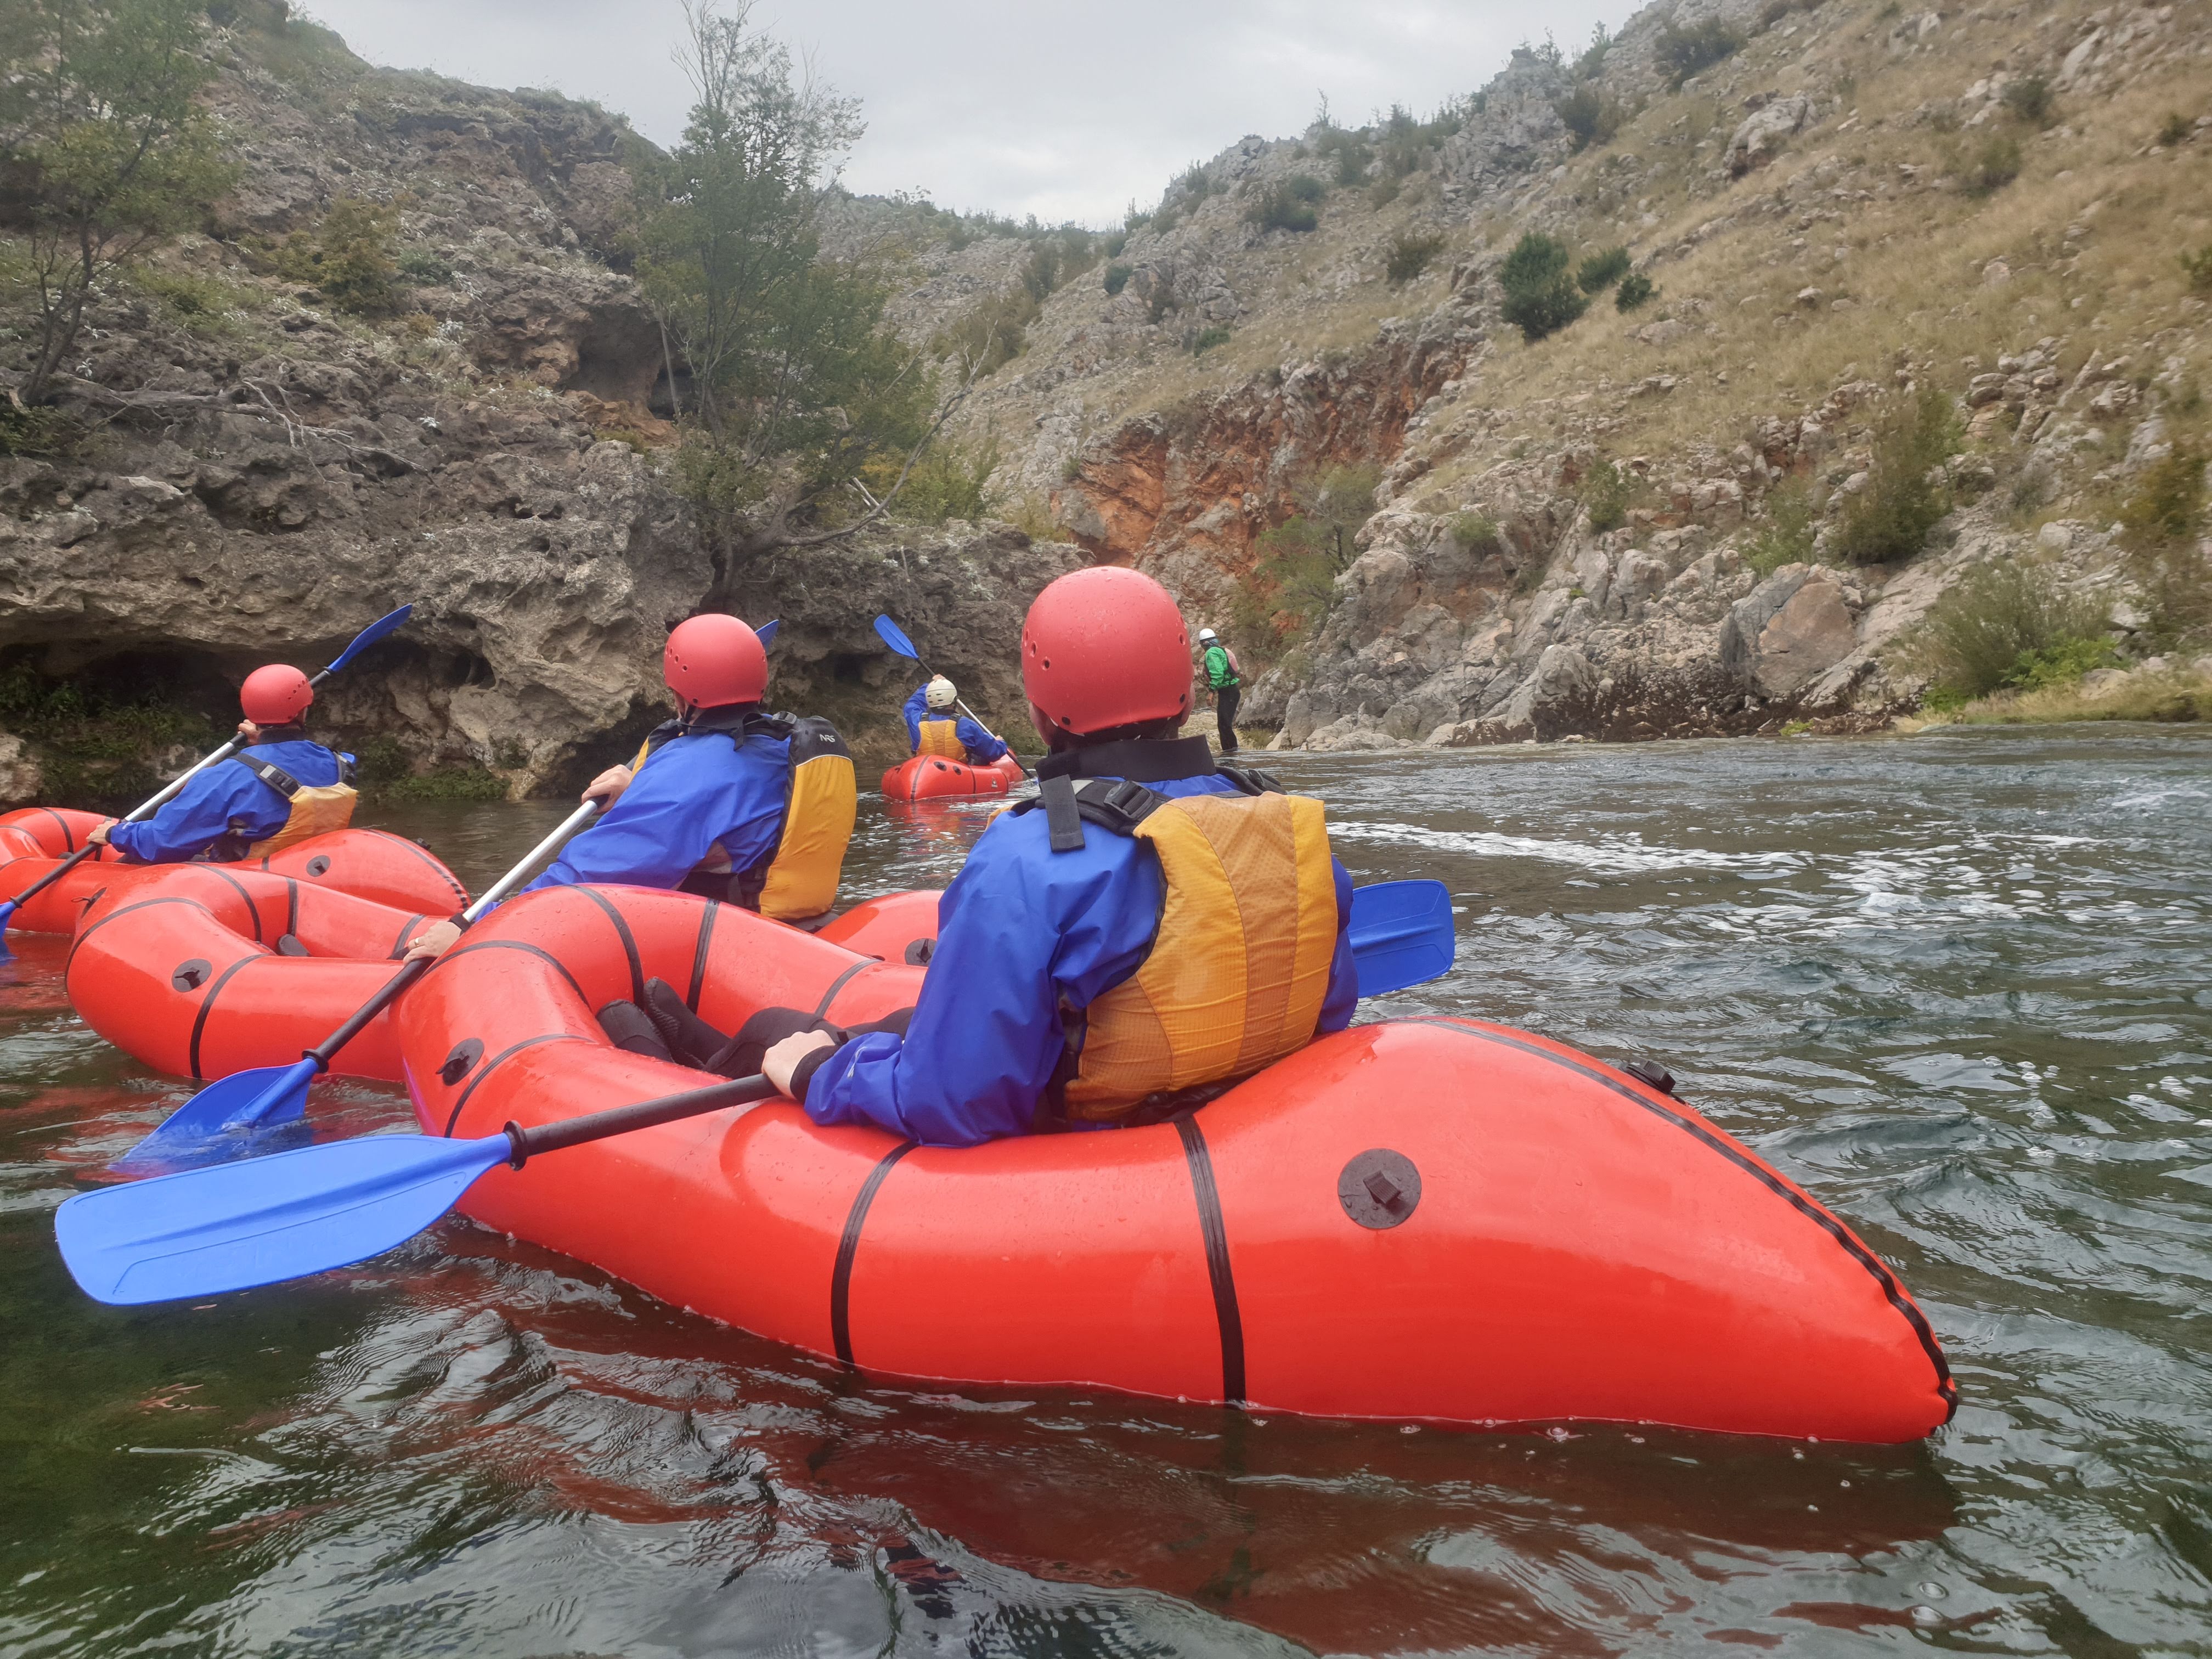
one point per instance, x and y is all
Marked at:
(767, 633)
(888, 631)
(266, 1219)
(1402, 934)
(7, 909)
(368, 636)
(202, 1129)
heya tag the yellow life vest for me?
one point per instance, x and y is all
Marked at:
(799, 879)
(1239, 969)
(940, 738)
(317, 808)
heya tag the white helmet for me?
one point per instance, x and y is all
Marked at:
(1205, 636)
(941, 693)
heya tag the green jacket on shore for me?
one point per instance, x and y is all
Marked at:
(1220, 669)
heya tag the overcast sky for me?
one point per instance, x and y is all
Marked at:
(1065, 111)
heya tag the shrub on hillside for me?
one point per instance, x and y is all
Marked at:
(1207, 339)
(1589, 117)
(1636, 289)
(1117, 277)
(1541, 296)
(1294, 583)
(1275, 207)
(1411, 251)
(2175, 130)
(990, 334)
(1682, 53)
(1477, 532)
(1600, 271)
(2030, 98)
(348, 256)
(2005, 626)
(1992, 166)
(2167, 502)
(948, 480)
(1304, 188)
(1793, 517)
(420, 266)
(2197, 268)
(1606, 492)
(1905, 495)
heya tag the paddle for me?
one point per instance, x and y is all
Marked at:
(266, 1219)
(766, 632)
(270, 1095)
(893, 635)
(368, 636)
(263, 1219)
(1402, 934)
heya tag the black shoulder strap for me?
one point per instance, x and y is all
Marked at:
(1251, 780)
(1118, 806)
(275, 776)
(811, 738)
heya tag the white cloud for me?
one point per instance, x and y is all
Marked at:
(1063, 111)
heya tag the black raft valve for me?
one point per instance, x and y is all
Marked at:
(1379, 1188)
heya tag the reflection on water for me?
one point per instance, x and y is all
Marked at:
(1956, 985)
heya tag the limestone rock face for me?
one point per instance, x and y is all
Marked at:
(1788, 631)
(20, 778)
(1764, 132)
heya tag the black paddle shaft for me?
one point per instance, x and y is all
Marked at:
(324, 1052)
(621, 1120)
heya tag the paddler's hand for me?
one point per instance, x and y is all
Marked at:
(248, 733)
(607, 787)
(780, 1061)
(98, 836)
(433, 941)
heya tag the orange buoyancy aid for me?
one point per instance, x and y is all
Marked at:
(940, 738)
(800, 880)
(317, 808)
(1239, 969)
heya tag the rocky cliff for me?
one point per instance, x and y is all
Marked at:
(268, 472)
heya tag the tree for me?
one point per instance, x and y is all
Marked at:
(795, 385)
(1542, 296)
(103, 147)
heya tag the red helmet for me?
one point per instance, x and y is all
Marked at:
(1105, 648)
(275, 695)
(713, 660)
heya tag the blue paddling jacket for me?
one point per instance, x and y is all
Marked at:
(979, 747)
(226, 808)
(1027, 938)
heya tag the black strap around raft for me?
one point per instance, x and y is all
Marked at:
(1116, 799)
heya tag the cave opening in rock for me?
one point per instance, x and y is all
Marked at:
(849, 668)
(105, 727)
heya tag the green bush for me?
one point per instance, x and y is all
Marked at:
(1905, 495)
(1275, 208)
(2197, 268)
(2008, 626)
(2168, 498)
(1541, 296)
(1606, 492)
(1207, 339)
(36, 431)
(1294, 583)
(1304, 188)
(1993, 167)
(1682, 53)
(1635, 290)
(1477, 532)
(2175, 130)
(949, 480)
(1600, 271)
(2030, 98)
(1793, 517)
(992, 332)
(419, 265)
(1589, 117)
(200, 304)
(1593, 57)
(1117, 277)
(1410, 254)
(348, 256)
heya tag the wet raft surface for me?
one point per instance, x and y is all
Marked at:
(1957, 985)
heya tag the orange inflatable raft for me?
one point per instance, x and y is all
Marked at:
(929, 777)
(370, 864)
(1432, 1219)
(202, 969)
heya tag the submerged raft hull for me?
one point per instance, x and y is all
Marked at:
(1574, 1244)
(926, 777)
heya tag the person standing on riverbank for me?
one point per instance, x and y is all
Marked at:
(1218, 664)
(1087, 951)
(282, 787)
(724, 801)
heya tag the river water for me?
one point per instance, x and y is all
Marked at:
(1957, 984)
